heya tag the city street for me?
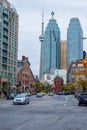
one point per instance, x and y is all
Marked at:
(58, 112)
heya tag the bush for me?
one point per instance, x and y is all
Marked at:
(0, 97)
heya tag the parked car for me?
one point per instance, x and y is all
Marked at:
(77, 95)
(82, 98)
(43, 93)
(10, 96)
(21, 99)
(27, 93)
(50, 93)
(40, 94)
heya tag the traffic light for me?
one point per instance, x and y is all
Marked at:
(85, 63)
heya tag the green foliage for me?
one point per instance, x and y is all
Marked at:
(0, 97)
(38, 86)
(83, 83)
(48, 88)
(69, 87)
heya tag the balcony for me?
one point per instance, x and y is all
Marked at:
(4, 62)
(4, 54)
(5, 48)
(6, 19)
(5, 34)
(5, 41)
(5, 12)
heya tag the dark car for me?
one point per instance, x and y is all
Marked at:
(10, 96)
(82, 99)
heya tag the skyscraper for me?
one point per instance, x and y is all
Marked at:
(74, 41)
(51, 47)
(63, 54)
(41, 38)
(8, 44)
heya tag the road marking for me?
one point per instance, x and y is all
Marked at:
(64, 104)
(20, 127)
(40, 102)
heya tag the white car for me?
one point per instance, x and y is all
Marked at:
(21, 99)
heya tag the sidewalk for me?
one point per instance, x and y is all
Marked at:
(2, 99)
(5, 102)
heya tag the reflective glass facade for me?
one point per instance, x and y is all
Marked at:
(51, 47)
(74, 41)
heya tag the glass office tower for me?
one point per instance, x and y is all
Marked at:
(74, 41)
(8, 44)
(51, 47)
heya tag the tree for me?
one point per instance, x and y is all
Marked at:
(69, 87)
(38, 86)
(83, 83)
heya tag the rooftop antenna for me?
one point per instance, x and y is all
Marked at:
(42, 20)
(52, 13)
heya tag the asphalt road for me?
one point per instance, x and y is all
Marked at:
(47, 113)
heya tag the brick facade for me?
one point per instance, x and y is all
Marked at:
(24, 75)
(58, 82)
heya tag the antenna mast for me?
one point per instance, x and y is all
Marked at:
(42, 20)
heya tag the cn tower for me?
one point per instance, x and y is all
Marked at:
(41, 38)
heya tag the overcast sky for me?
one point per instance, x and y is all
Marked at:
(30, 16)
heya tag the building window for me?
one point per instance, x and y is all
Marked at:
(80, 65)
(0, 5)
(0, 20)
(73, 69)
(0, 35)
(0, 28)
(0, 42)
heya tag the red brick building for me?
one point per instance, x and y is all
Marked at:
(58, 82)
(24, 73)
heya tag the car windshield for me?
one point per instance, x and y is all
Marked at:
(20, 96)
(39, 93)
(84, 96)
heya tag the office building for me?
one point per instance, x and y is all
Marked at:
(51, 47)
(63, 54)
(8, 45)
(49, 78)
(74, 41)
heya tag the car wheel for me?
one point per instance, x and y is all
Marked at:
(25, 102)
(13, 103)
(79, 104)
(28, 102)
